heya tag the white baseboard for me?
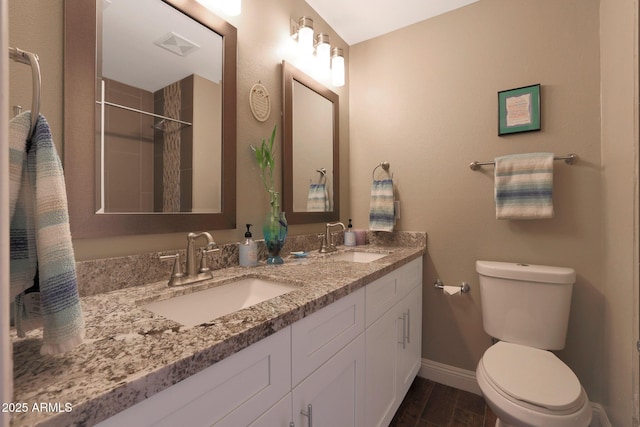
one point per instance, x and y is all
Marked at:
(463, 379)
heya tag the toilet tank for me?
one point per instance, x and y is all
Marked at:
(526, 304)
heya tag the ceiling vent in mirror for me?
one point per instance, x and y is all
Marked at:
(177, 44)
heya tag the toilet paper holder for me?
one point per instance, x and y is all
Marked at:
(464, 286)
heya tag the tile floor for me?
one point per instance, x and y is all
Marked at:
(429, 404)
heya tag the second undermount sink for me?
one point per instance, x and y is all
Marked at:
(358, 256)
(203, 306)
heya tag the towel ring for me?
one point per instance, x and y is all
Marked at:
(31, 59)
(385, 166)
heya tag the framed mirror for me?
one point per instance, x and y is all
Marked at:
(150, 117)
(311, 178)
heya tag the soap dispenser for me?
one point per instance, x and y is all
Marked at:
(248, 250)
(349, 235)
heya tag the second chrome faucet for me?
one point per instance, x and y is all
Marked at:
(328, 244)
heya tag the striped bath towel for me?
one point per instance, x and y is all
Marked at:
(43, 274)
(318, 198)
(523, 186)
(381, 210)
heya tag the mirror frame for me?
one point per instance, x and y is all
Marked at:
(289, 74)
(80, 66)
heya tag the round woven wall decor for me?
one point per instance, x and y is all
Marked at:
(260, 102)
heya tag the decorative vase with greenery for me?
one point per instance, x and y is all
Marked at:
(275, 227)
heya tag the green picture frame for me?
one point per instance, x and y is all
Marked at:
(519, 110)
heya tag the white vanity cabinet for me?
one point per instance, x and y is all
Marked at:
(393, 341)
(349, 365)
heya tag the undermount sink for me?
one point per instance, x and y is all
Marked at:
(358, 256)
(203, 306)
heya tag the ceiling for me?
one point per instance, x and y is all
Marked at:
(133, 52)
(359, 20)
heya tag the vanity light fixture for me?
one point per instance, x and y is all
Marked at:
(327, 61)
(337, 67)
(323, 52)
(228, 7)
(305, 35)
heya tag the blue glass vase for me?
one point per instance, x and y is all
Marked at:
(275, 230)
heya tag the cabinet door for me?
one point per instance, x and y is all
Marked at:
(335, 391)
(410, 354)
(381, 360)
(321, 335)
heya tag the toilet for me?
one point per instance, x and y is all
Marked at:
(526, 307)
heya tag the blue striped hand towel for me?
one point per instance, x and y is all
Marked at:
(524, 186)
(381, 211)
(40, 218)
(318, 198)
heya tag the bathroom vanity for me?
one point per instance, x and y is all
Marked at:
(302, 356)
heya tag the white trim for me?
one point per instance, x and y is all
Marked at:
(464, 379)
(6, 368)
(461, 379)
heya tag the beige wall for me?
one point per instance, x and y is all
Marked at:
(263, 42)
(424, 98)
(619, 61)
(24, 16)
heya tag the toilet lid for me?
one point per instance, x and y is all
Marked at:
(532, 375)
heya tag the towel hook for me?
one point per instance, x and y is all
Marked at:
(385, 166)
(322, 171)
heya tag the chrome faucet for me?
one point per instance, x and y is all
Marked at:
(328, 245)
(193, 274)
(191, 253)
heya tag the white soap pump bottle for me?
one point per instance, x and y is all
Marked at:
(349, 235)
(248, 250)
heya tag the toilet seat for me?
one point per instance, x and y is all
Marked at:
(533, 377)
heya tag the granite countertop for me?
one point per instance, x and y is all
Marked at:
(130, 353)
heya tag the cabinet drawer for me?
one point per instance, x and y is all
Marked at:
(411, 276)
(247, 383)
(381, 295)
(318, 337)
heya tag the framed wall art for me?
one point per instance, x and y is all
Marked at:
(519, 110)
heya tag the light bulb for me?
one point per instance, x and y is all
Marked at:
(305, 35)
(323, 52)
(337, 67)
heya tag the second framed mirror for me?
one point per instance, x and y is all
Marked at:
(311, 172)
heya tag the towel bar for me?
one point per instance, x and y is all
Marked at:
(569, 159)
